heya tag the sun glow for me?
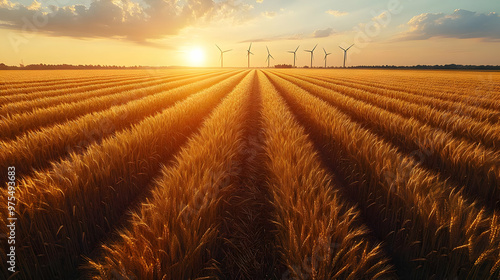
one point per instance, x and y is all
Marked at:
(196, 57)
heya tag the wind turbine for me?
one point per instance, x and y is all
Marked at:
(248, 54)
(269, 56)
(326, 54)
(345, 53)
(222, 56)
(294, 55)
(312, 54)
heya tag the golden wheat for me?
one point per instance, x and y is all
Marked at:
(261, 174)
(16, 124)
(410, 207)
(65, 210)
(461, 126)
(319, 235)
(474, 166)
(171, 236)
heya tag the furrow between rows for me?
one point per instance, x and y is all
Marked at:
(63, 212)
(66, 95)
(15, 125)
(470, 165)
(429, 231)
(176, 232)
(319, 235)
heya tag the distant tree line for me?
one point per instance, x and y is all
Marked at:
(445, 66)
(42, 66)
(283, 66)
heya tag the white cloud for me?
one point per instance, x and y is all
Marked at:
(123, 19)
(323, 33)
(6, 4)
(259, 1)
(460, 24)
(336, 13)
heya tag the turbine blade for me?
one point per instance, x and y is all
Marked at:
(271, 56)
(314, 47)
(342, 48)
(350, 47)
(324, 50)
(250, 47)
(297, 48)
(218, 47)
(267, 50)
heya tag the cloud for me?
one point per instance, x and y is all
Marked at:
(323, 33)
(460, 24)
(259, 1)
(268, 14)
(336, 13)
(121, 19)
(6, 4)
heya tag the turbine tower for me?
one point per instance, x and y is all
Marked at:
(326, 54)
(269, 56)
(222, 56)
(345, 53)
(294, 55)
(248, 54)
(312, 54)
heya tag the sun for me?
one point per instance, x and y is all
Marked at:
(196, 57)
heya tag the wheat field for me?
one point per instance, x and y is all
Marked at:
(251, 174)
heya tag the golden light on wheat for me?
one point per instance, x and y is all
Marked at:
(253, 174)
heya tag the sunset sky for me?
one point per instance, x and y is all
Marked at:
(176, 32)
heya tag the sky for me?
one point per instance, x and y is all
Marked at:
(186, 32)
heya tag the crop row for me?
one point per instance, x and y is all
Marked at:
(42, 76)
(466, 107)
(44, 87)
(175, 233)
(37, 149)
(37, 86)
(64, 211)
(172, 233)
(319, 236)
(429, 231)
(58, 91)
(61, 96)
(14, 125)
(474, 166)
(50, 82)
(462, 84)
(461, 126)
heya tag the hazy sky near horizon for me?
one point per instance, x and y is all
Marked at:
(184, 32)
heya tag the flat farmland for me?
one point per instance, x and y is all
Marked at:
(250, 174)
